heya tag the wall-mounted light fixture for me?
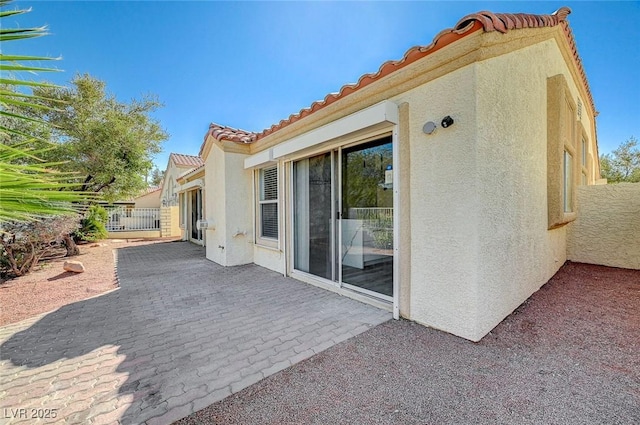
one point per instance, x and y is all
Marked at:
(447, 122)
(430, 127)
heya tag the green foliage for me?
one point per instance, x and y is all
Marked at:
(31, 188)
(108, 143)
(156, 177)
(623, 164)
(25, 243)
(364, 175)
(92, 226)
(31, 191)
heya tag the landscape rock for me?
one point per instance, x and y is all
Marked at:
(73, 266)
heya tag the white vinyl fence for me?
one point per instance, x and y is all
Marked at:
(124, 219)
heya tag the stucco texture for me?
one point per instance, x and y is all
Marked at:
(517, 254)
(229, 204)
(607, 230)
(150, 200)
(443, 216)
(480, 243)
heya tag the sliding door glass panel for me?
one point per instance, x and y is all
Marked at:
(312, 202)
(366, 250)
(196, 213)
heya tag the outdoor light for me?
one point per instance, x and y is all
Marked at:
(447, 122)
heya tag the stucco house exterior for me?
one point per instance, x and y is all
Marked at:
(183, 203)
(440, 187)
(149, 199)
(192, 206)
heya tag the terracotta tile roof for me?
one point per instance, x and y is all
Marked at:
(183, 160)
(151, 190)
(192, 170)
(487, 21)
(221, 132)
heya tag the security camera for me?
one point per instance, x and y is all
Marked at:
(447, 122)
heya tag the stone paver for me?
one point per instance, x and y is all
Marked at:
(179, 334)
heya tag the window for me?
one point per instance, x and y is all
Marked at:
(268, 203)
(585, 163)
(564, 153)
(568, 182)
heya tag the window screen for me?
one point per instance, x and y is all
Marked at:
(268, 203)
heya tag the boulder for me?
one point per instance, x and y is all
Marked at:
(73, 266)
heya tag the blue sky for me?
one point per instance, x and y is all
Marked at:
(251, 64)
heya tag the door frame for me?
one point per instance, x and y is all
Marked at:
(190, 224)
(336, 284)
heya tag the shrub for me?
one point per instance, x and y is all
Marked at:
(24, 244)
(92, 227)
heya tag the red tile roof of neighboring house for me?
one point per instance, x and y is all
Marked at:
(151, 190)
(487, 21)
(186, 160)
(191, 171)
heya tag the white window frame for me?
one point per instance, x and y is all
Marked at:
(260, 239)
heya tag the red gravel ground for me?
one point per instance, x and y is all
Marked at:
(50, 287)
(568, 355)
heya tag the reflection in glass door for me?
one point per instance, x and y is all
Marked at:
(366, 251)
(343, 217)
(312, 223)
(196, 214)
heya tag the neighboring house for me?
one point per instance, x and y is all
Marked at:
(150, 199)
(187, 201)
(191, 195)
(439, 187)
(178, 164)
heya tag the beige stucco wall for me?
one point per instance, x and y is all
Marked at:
(517, 254)
(150, 200)
(270, 258)
(443, 197)
(479, 242)
(214, 205)
(228, 206)
(607, 230)
(135, 234)
(479, 239)
(169, 185)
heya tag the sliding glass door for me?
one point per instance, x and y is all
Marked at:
(343, 217)
(366, 249)
(312, 216)
(195, 209)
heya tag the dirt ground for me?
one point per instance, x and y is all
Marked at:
(568, 355)
(50, 287)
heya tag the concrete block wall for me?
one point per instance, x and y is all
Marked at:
(607, 229)
(170, 221)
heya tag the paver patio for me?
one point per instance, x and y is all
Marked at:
(179, 334)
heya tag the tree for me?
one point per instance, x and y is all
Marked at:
(24, 244)
(623, 164)
(156, 177)
(109, 143)
(30, 187)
